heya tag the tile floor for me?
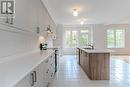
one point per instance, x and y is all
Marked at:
(70, 74)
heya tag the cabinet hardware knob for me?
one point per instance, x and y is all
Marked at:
(47, 84)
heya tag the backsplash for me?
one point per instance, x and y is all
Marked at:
(14, 42)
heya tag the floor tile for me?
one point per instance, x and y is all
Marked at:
(70, 74)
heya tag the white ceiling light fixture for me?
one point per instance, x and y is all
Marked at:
(82, 21)
(75, 12)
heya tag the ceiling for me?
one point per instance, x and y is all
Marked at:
(95, 11)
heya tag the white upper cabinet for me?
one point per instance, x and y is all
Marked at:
(30, 14)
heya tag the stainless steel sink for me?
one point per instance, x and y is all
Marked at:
(88, 48)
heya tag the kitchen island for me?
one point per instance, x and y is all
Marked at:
(95, 63)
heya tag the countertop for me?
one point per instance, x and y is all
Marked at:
(54, 47)
(96, 50)
(14, 70)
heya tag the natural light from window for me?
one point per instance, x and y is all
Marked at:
(116, 38)
(74, 38)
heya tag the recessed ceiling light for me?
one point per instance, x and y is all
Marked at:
(82, 22)
(75, 12)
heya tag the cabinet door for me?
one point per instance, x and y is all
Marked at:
(49, 70)
(77, 55)
(81, 58)
(87, 64)
(84, 60)
(37, 75)
(83, 55)
(26, 82)
(52, 65)
(45, 73)
(42, 75)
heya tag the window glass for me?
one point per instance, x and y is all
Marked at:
(84, 39)
(68, 38)
(120, 38)
(110, 39)
(83, 31)
(75, 38)
(71, 38)
(116, 38)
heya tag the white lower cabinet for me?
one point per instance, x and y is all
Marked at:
(41, 76)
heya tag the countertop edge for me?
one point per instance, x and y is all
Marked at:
(27, 70)
(31, 69)
(95, 51)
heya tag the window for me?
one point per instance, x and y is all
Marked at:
(75, 38)
(116, 38)
(83, 37)
(71, 38)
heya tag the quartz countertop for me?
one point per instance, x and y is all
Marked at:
(54, 47)
(96, 50)
(14, 70)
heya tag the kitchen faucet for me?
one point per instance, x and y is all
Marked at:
(91, 45)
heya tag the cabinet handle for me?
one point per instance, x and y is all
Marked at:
(32, 77)
(35, 75)
(48, 84)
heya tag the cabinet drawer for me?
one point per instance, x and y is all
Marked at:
(49, 60)
(52, 58)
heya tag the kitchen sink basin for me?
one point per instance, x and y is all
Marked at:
(88, 48)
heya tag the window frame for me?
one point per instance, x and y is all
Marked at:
(66, 46)
(84, 33)
(115, 37)
(78, 34)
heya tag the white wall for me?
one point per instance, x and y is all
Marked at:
(58, 42)
(59, 35)
(21, 37)
(99, 36)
